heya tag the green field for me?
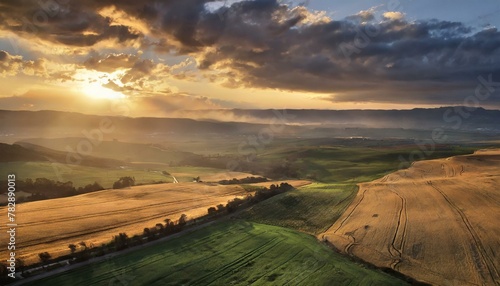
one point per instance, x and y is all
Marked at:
(186, 174)
(312, 208)
(79, 175)
(124, 151)
(228, 253)
(345, 164)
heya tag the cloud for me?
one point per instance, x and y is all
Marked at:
(393, 15)
(363, 16)
(12, 65)
(266, 44)
(173, 102)
(164, 105)
(111, 62)
(71, 23)
(359, 54)
(52, 99)
(133, 75)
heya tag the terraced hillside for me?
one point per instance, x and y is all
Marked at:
(436, 221)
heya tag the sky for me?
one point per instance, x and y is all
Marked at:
(159, 57)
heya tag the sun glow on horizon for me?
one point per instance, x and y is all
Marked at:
(92, 84)
(96, 90)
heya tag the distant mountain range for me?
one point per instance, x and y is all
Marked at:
(457, 118)
(15, 125)
(68, 124)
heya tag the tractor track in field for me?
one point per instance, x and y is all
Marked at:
(125, 210)
(396, 247)
(478, 249)
(350, 245)
(101, 214)
(150, 192)
(185, 266)
(256, 252)
(80, 233)
(352, 211)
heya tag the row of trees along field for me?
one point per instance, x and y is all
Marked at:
(43, 188)
(247, 180)
(83, 251)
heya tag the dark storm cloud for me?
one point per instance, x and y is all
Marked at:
(72, 23)
(262, 43)
(389, 60)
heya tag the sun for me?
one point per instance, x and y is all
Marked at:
(93, 83)
(96, 90)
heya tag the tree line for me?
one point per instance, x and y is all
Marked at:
(247, 180)
(43, 188)
(260, 195)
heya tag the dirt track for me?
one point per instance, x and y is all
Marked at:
(437, 221)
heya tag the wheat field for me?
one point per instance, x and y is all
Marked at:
(94, 218)
(437, 221)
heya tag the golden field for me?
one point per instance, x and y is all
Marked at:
(437, 221)
(94, 218)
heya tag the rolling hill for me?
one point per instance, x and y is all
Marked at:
(436, 221)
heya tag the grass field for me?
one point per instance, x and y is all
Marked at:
(125, 151)
(145, 173)
(436, 221)
(79, 175)
(344, 164)
(186, 174)
(312, 208)
(229, 253)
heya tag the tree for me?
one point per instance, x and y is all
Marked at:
(90, 188)
(182, 220)
(124, 182)
(136, 240)
(44, 257)
(121, 240)
(160, 228)
(28, 184)
(220, 207)
(169, 226)
(20, 264)
(72, 248)
(83, 244)
(212, 211)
